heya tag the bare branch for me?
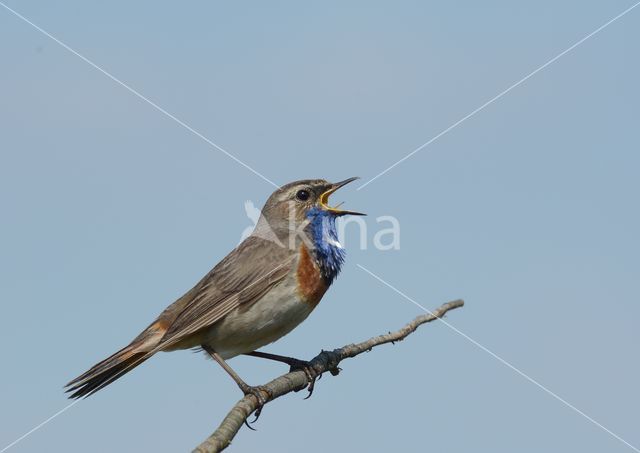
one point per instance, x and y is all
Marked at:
(326, 361)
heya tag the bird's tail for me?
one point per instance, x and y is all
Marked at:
(104, 373)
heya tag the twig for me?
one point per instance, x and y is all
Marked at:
(326, 361)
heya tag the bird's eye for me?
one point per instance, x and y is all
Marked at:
(302, 195)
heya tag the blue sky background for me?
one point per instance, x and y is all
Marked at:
(528, 211)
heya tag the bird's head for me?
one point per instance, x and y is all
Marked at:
(299, 202)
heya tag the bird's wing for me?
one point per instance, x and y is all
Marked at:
(242, 277)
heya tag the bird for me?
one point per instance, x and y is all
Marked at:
(258, 293)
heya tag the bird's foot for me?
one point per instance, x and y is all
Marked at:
(259, 393)
(309, 371)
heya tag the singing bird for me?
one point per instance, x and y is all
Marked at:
(257, 294)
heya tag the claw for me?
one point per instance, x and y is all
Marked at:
(309, 373)
(257, 392)
(310, 388)
(246, 423)
(312, 381)
(257, 415)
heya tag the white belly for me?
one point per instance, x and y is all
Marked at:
(272, 317)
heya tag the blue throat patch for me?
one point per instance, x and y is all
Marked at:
(328, 252)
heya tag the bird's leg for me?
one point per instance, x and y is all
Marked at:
(294, 364)
(257, 391)
(291, 361)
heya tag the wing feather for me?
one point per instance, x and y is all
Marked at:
(247, 273)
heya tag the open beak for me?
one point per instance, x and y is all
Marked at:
(324, 198)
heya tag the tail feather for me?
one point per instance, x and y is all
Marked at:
(107, 371)
(126, 359)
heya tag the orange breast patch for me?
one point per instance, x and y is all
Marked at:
(311, 285)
